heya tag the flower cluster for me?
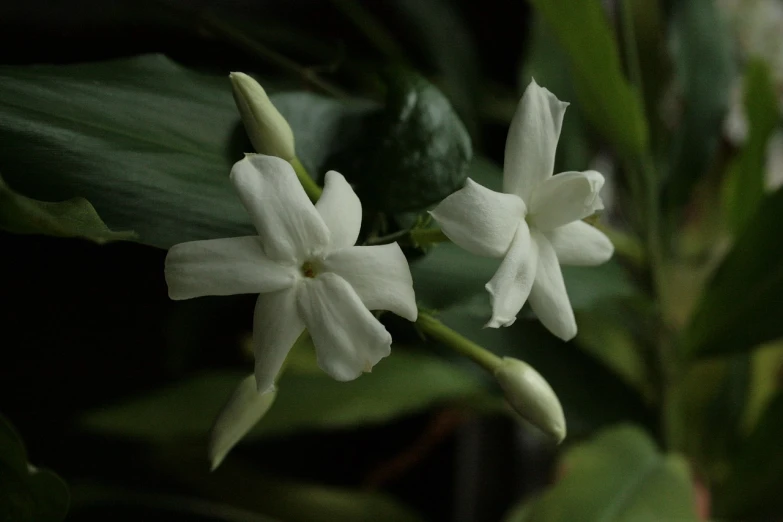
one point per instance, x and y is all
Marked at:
(309, 274)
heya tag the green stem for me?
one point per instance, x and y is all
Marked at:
(371, 28)
(440, 332)
(427, 236)
(311, 187)
(235, 35)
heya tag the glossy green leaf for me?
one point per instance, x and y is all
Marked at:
(27, 494)
(741, 305)
(619, 476)
(704, 67)
(416, 151)
(149, 143)
(75, 217)
(402, 384)
(753, 487)
(743, 188)
(609, 101)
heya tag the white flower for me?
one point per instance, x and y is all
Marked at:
(306, 270)
(534, 225)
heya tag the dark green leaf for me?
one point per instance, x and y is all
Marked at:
(400, 385)
(619, 476)
(741, 306)
(27, 494)
(756, 478)
(416, 151)
(704, 65)
(72, 218)
(744, 186)
(609, 102)
(149, 143)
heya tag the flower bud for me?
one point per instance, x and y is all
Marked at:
(268, 131)
(242, 411)
(531, 396)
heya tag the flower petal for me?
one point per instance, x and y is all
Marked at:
(379, 275)
(510, 286)
(548, 298)
(238, 415)
(341, 210)
(532, 140)
(580, 244)
(290, 227)
(276, 327)
(480, 220)
(348, 339)
(565, 198)
(229, 266)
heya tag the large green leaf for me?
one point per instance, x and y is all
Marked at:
(27, 494)
(147, 142)
(704, 64)
(403, 384)
(744, 185)
(741, 306)
(756, 478)
(415, 152)
(619, 476)
(609, 101)
(75, 217)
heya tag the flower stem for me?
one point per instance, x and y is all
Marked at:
(311, 187)
(440, 332)
(427, 236)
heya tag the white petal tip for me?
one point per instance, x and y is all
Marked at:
(498, 322)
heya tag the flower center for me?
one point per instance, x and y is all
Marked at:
(309, 269)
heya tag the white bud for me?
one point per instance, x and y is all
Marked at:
(531, 396)
(241, 412)
(268, 131)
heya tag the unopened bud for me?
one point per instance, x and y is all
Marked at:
(268, 131)
(241, 412)
(531, 397)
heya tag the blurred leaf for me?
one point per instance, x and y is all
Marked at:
(75, 217)
(285, 499)
(569, 370)
(415, 153)
(608, 333)
(402, 384)
(609, 101)
(711, 399)
(756, 480)
(741, 306)
(445, 41)
(149, 143)
(27, 494)
(744, 186)
(619, 476)
(704, 66)
(767, 367)
(547, 62)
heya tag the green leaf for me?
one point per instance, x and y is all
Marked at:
(741, 305)
(149, 143)
(743, 188)
(609, 101)
(416, 151)
(75, 217)
(704, 67)
(27, 494)
(402, 384)
(619, 476)
(756, 480)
